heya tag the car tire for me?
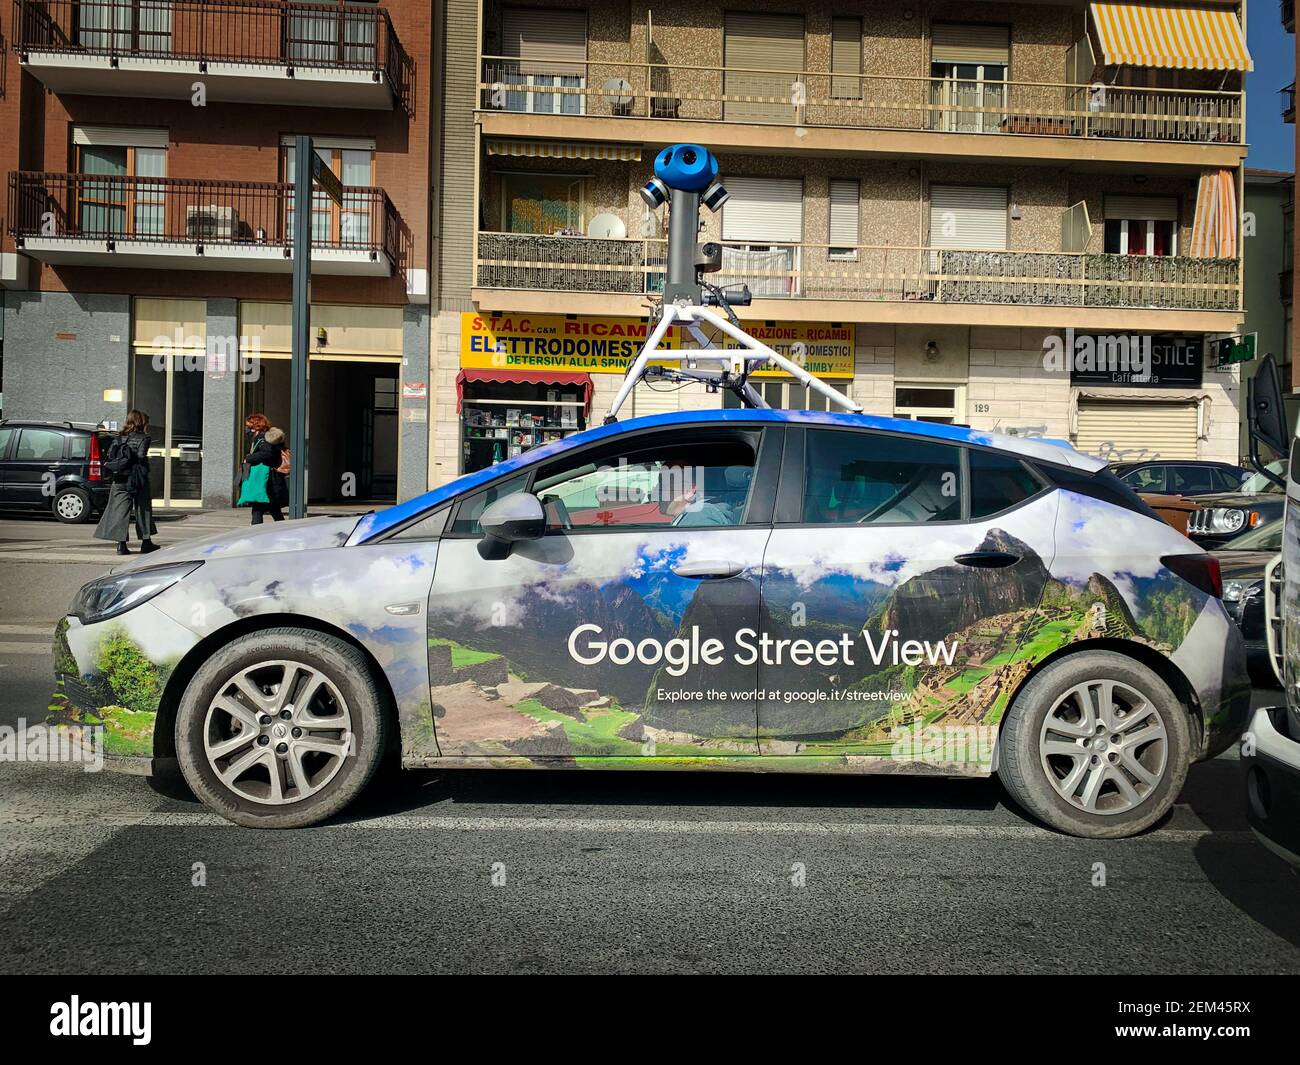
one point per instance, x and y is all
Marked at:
(72, 506)
(1101, 783)
(333, 741)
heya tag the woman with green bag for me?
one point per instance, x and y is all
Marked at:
(264, 487)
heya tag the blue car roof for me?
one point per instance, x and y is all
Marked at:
(1048, 450)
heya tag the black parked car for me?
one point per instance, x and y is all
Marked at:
(1228, 514)
(1242, 561)
(54, 467)
(1188, 477)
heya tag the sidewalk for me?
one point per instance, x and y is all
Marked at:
(28, 539)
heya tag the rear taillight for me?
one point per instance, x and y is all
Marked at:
(1201, 571)
(96, 470)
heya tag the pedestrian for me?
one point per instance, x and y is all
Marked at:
(131, 496)
(265, 488)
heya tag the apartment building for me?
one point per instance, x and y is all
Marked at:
(946, 209)
(146, 250)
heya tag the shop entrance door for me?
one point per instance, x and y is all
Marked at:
(169, 388)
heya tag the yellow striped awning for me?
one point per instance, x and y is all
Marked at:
(522, 149)
(1186, 38)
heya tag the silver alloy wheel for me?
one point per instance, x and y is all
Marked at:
(277, 732)
(1104, 747)
(70, 505)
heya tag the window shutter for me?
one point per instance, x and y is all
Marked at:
(762, 42)
(958, 42)
(844, 214)
(1076, 228)
(1157, 208)
(968, 217)
(546, 40)
(1166, 428)
(119, 136)
(763, 210)
(846, 57)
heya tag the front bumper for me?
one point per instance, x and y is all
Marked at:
(1272, 777)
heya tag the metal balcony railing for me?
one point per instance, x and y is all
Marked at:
(94, 207)
(254, 32)
(861, 101)
(1288, 15)
(897, 274)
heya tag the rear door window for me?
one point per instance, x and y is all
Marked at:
(1145, 479)
(1192, 480)
(39, 445)
(876, 479)
(998, 482)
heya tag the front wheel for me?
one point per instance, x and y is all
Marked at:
(1095, 745)
(281, 728)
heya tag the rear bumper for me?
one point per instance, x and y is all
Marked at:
(1272, 782)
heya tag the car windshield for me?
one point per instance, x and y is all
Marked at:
(1257, 483)
(1268, 537)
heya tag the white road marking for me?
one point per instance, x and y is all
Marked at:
(420, 822)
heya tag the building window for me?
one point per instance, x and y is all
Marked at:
(343, 37)
(752, 46)
(543, 48)
(548, 204)
(354, 166)
(762, 225)
(844, 197)
(1141, 225)
(925, 402)
(109, 202)
(846, 58)
(136, 26)
(968, 72)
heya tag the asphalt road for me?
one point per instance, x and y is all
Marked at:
(512, 872)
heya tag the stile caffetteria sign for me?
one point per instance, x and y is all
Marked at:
(1152, 362)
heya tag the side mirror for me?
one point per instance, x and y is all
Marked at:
(518, 516)
(1266, 416)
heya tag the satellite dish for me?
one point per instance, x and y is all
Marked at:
(607, 225)
(621, 91)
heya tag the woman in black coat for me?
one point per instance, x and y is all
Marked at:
(268, 450)
(131, 496)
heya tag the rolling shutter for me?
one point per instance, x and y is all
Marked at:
(968, 217)
(555, 41)
(844, 214)
(1152, 429)
(762, 42)
(1159, 208)
(846, 57)
(119, 136)
(957, 42)
(764, 210)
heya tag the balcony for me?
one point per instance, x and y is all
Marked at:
(1288, 15)
(1285, 285)
(243, 51)
(182, 224)
(1288, 103)
(1069, 121)
(922, 280)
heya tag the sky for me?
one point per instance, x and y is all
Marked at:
(1272, 141)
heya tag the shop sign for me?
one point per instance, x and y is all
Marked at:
(1173, 361)
(608, 345)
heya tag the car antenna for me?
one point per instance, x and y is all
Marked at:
(686, 175)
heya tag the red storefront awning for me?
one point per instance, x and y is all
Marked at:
(526, 377)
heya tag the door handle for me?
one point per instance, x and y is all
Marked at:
(708, 571)
(988, 559)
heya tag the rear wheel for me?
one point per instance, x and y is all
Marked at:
(72, 506)
(281, 728)
(1096, 745)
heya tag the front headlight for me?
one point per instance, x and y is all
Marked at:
(1235, 591)
(1224, 521)
(115, 594)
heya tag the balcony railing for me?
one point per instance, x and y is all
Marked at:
(873, 273)
(1288, 15)
(357, 37)
(93, 207)
(861, 101)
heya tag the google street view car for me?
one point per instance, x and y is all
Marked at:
(730, 589)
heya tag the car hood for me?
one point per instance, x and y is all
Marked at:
(1240, 499)
(1243, 565)
(306, 534)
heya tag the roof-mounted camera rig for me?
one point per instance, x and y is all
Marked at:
(686, 176)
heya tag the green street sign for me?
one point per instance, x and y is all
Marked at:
(1231, 350)
(326, 180)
